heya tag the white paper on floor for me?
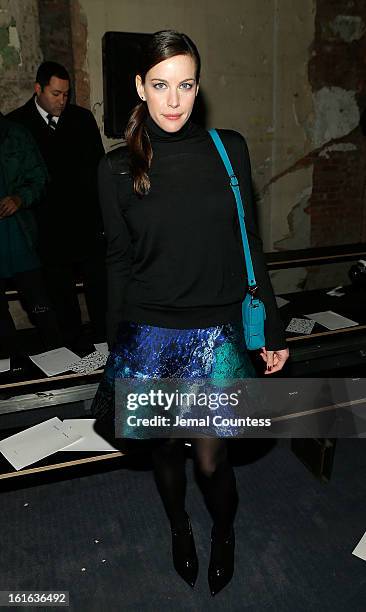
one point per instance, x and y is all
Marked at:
(90, 441)
(336, 292)
(102, 347)
(281, 301)
(360, 550)
(37, 442)
(331, 320)
(5, 365)
(55, 362)
(89, 363)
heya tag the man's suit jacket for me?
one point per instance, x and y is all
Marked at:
(69, 218)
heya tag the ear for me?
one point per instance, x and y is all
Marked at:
(140, 87)
(198, 86)
(37, 89)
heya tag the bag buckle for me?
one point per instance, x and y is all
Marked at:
(234, 181)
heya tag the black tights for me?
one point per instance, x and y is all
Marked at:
(215, 476)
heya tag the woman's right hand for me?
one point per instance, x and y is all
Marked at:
(9, 205)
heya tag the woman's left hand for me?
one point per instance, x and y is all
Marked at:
(275, 360)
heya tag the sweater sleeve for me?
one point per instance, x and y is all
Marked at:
(119, 251)
(274, 329)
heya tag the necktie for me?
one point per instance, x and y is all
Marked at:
(51, 123)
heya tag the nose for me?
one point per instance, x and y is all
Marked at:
(61, 100)
(173, 99)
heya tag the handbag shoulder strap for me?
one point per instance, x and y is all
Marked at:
(234, 184)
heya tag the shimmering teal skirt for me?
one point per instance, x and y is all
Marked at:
(144, 352)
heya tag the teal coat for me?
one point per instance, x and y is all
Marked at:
(24, 172)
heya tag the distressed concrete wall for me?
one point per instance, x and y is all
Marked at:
(337, 77)
(35, 30)
(63, 38)
(79, 28)
(55, 32)
(20, 51)
(333, 210)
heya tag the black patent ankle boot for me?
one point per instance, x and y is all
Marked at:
(184, 552)
(221, 567)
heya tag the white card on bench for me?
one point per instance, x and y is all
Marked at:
(360, 550)
(102, 347)
(56, 361)
(5, 364)
(331, 320)
(37, 442)
(90, 441)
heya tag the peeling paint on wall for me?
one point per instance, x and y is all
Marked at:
(291, 224)
(20, 52)
(298, 223)
(14, 38)
(341, 146)
(336, 114)
(347, 27)
(9, 47)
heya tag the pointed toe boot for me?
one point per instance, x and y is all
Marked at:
(221, 567)
(184, 552)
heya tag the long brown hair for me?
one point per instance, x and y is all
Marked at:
(161, 46)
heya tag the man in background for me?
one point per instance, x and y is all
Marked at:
(71, 239)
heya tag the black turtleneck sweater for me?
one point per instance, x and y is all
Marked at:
(175, 256)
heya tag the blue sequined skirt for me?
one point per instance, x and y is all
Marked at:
(145, 352)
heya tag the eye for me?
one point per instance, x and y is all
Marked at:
(186, 85)
(159, 85)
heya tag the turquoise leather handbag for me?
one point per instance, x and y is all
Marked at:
(253, 311)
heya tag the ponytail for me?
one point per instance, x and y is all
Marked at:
(140, 149)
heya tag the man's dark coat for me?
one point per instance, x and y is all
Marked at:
(69, 218)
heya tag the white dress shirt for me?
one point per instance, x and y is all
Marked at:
(44, 113)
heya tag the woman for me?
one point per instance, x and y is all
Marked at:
(23, 176)
(177, 280)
